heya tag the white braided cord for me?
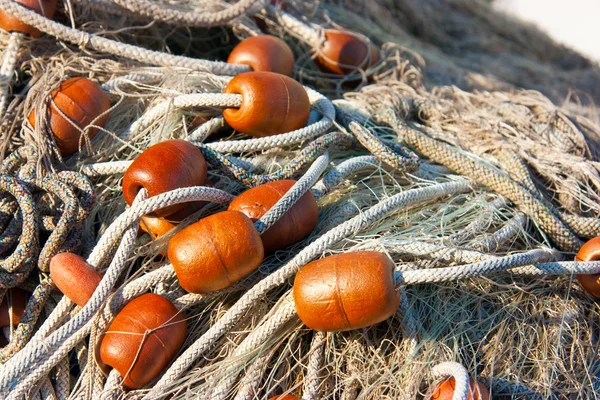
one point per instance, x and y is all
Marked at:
(7, 70)
(310, 389)
(307, 254)
(293, 195)
(161, 12)
(99, 43)
(460, 375)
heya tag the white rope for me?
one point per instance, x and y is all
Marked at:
(310, 390)
(509, 230)
(280, 276)
(432, 275)
(34, 351)
(200, 134)
(106, 168)
(479, 224)
(7, 70)
(460, 375)
(161, 12)
(293, 195)
(112, 388)
(99, 43)
(253, 376)
(63, 379)
(307, 33)
(340, 172)
(222, 100)
(285, 312)
(47, 391)
(312, 131)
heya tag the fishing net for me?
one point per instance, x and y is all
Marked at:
(466, 152)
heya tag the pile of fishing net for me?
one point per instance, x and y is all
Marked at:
(338, 200)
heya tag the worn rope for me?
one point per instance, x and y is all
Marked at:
(289, 269)
(293, 195)
(310, 389)
(485, 175)
(206, 18)
(460, 375)
(7, 70)
(127, 51)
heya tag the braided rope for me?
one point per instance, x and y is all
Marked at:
(289, 269)
(340, 172)
(285, 312)
(460, 375)
(305, 156)
(305, 32)
(189, 17)
(22, 257)
(485, 175)
(131, 52)
(310, 390)
(479, 224)
(63, 379)
(293, 195)
(492, 242)
(253, 376)
(47, 391)
(7, 70)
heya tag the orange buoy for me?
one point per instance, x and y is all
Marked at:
(74, 277)
(297, 223)
(82, 101)
(271, 104)
(166, 166)
(445, 390)
(590, 251)
(264, 53)
(215, 252)
(344, 52)
(46, 8)
(143, 339)
(346, 291)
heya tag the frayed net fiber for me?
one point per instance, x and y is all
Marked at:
(464, 146)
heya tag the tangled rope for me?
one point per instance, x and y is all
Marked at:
(488, 232)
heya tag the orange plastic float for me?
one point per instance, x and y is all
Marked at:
(297, 223)
(82, 101)
(346, 291)
(215, 252)
(283, 397)
(344, 52)
(264, 53)
(47, 8)
(590, 251)
(74, 277)
(142, 339)
(166, 166)
(271, 104)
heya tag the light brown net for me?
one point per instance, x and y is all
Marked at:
(472, 91)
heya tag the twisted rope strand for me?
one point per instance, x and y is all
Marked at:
(288, 270)
(127, 51)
